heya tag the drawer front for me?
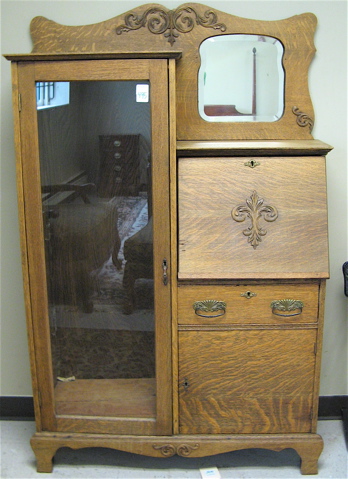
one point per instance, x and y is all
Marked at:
(248, 304)
(252, 218)
(246, 382)
(120, 146)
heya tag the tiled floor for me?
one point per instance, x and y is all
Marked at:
(17, 460)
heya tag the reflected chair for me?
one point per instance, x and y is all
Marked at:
(138, 253)
(80, 236)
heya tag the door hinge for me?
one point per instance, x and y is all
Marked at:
(19, 102)
(39, 399)
(311, 414)
(315, 349)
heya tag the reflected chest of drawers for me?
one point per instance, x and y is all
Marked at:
(120, 158)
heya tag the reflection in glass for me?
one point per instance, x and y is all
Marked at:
(241, 78)
(96, 201)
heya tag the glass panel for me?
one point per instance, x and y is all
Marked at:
(95, 156)
(241, 78)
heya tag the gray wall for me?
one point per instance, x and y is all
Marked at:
(328, 87)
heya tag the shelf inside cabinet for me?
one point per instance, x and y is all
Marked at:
(106, 397)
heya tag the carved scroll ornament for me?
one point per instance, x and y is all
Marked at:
(169, 450)
(303, 119)
(169, 23)
(254, 210)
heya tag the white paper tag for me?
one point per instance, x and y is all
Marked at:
(142, 93)
(210, 473)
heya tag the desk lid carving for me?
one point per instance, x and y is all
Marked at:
(254, 210)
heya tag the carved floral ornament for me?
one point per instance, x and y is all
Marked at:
(170, 23)
(254, 210)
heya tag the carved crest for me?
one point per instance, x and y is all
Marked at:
(170, 23)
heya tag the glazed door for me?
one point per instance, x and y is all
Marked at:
(95, 164)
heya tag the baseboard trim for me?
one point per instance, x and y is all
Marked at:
(22, 407)
(332, 407)
(17, 408)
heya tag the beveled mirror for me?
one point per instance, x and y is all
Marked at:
(241, 78)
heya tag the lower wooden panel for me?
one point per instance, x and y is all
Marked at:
(108, 406)
(106, 425)
(308, 446)
(256, 381)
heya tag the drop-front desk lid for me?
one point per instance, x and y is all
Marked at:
(252, 217)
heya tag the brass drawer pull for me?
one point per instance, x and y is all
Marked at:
(210, 306)
(285, 306)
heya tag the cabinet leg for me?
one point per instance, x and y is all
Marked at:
(309, 455)
(44, 454)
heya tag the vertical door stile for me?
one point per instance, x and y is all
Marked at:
(161, 237)
(173, 225)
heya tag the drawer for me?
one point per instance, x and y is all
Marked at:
(253, 304)
(119, 142)
(247, 218)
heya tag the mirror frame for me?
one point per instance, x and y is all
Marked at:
(155, 29)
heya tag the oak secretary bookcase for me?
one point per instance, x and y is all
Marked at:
(174, 291)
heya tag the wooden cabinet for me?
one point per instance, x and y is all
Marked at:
(251, 288)
(174, 285)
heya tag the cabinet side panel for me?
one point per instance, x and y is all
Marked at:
(318, 350)
(23, 239)
(34, 243)
(161, 238)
